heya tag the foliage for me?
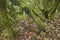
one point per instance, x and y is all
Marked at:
(43, 9)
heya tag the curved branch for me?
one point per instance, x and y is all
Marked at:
(35, 19)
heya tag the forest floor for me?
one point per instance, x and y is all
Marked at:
(32, 31)
(28, 30)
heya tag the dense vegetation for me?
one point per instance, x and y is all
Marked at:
(43, 10)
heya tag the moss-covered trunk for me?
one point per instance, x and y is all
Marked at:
(5, 19)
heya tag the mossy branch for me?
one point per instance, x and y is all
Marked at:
(34, 17)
